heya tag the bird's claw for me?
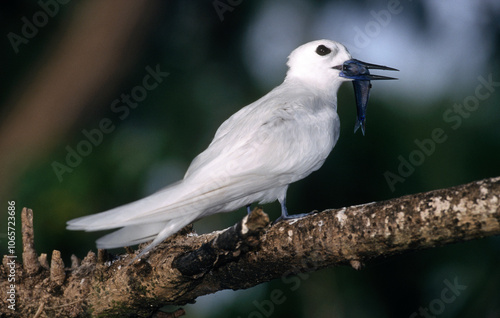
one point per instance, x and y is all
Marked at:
(293, 216)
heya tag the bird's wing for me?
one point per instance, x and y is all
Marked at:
(274, 141)
(269, 130)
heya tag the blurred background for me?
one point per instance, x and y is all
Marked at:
(105, 102)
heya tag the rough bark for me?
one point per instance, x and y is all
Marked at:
(251, 252)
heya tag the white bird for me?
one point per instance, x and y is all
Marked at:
(255, 154)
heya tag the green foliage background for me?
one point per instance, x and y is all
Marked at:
(209, 80)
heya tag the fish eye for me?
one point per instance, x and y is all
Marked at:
(322, 50)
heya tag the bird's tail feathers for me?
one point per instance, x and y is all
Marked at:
(130, 235)
(167, 204)
(136, 234)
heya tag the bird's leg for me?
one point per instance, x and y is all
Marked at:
(249, 210)
(284, 211)
(286, 216)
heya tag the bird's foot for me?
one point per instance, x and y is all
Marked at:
(293, 216)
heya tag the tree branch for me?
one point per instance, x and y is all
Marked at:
(251, 252)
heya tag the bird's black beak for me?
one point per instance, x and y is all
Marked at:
(359, 72)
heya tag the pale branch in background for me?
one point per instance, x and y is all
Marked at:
(251, 252)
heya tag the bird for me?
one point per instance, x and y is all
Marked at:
(255, 154)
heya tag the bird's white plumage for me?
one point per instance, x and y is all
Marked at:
(254, 156)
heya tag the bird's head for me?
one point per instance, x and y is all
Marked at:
(326, 64)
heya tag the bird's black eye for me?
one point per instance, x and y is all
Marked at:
(322, 50)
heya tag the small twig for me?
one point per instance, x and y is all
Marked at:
(40, 310)
(64, 305)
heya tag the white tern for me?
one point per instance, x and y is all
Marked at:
(255, 154)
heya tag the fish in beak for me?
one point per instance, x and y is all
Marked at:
(359, 72)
